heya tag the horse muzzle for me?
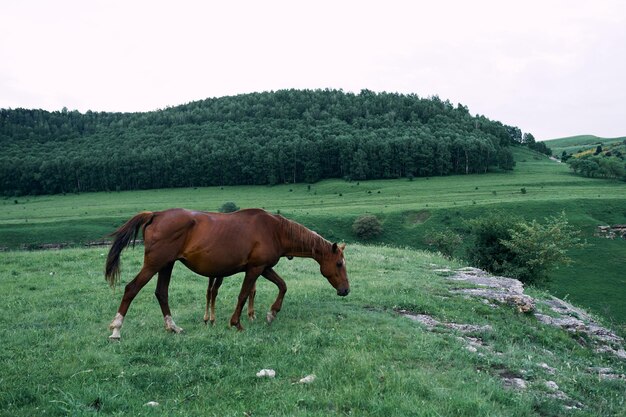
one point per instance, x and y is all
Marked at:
(343, 292)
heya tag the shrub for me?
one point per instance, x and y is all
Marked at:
(537, 247)
(487, 252)
(445, 241)
(228, 207)
(521, 249)
(367, 227)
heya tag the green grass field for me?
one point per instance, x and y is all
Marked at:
(56, 358)
(409, 210)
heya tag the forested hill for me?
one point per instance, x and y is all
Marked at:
(259, 138)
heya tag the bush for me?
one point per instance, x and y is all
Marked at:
(520, 249)
(487, 252)
(367, 227)
(445, 241)
(228, 207)
(537, 247)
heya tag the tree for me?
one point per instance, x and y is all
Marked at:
(506, 161)
(528, 138)
(259, 138)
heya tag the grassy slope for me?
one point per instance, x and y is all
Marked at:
(56, 359)
(409, 210)
(573, 144)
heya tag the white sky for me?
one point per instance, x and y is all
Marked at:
(552, 68)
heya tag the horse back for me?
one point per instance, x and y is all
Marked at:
(217, 244)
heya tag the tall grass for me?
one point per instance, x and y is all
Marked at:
(56, 358)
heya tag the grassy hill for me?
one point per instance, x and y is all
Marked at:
(409, 211)
(368, 359)
(575, 144)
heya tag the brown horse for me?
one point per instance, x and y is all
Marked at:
(219, 245)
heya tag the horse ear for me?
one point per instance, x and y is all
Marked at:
(334, 248)
(342, 246)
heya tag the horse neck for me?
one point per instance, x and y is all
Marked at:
(298, 241)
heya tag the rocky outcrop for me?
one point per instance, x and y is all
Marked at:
(611, 232)
(510, 291)
(575, 320)
(500, 289)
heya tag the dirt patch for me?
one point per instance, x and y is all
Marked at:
(416, 217)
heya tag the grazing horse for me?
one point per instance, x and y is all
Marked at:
(219, 245)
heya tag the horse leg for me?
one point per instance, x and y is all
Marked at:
(214, 285)
(246, 288)
(130, 291)
(161, 294)
(208, 299)
(251, 314)
(271, 275)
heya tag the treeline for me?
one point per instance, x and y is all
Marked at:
(259, 138)
(599, 166)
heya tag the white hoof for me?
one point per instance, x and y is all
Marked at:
(115, 326)
(171, 326)
(270, 317)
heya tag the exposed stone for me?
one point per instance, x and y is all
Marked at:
(620, 353)
(611, 232)
(471, 348)
(515, 383)
(511, 291)
(431, 323)
(547, 368)
(568, 323)
(552, 386)
(606, 373)
(575, 320)
(501, 289)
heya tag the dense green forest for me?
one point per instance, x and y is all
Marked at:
(258, 138)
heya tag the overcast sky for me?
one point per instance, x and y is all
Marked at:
(552, 68)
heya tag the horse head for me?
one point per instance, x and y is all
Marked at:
(333, 267)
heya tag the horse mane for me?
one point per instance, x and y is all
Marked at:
(307, 239)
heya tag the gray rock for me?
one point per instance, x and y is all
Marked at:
(515, 383)
(501, 289)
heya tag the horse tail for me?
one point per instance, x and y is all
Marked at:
(123, 238)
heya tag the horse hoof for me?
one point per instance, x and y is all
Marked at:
(270, 317)
(116, 334)
(251, 317)
(114, 338)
